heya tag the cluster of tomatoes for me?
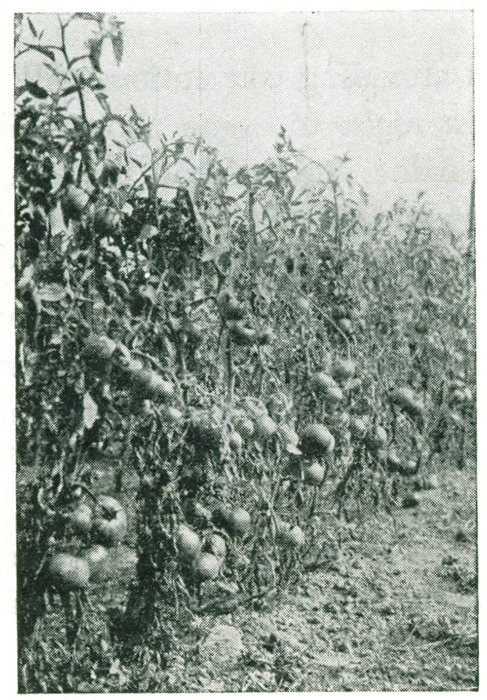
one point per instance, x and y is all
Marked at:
(104, 525)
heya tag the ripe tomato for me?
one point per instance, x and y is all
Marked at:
(290, 536)
(264, 427)
(81, 519)
(74, 202)
(217, 545)
(322, 382)
(97, 558)
(314, 473)
(111, 525)
(358, 427)
(239, 521)
(343, 369)
(327, 387)
(187, 542)
(242, 335)
(99, 347)
(67, 572)
(405, 398)
(243, 424)
(158, 387)
(172, 415)
(106, 220)
(229, 307)
(207, 566)
(316, 440)
(287, 434)
(376, 438)
(148, 383)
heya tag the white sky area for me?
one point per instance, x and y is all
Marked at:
(392, 90)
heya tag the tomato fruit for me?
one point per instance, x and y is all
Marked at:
(287, 434)
(290, 536)
(239, 521)
(148, 383)
(106, 220)
(314, 473)
(187, 542)
(243, 424)
(207, 566)
(111, 525)
(67, 572)
(99, 347)
(241, 334)
(358, 427)
(172, 415)
(322, 382)
(405, 398)
(376, 438)
(97, 558)
(343, 369)
(229, 308)
(81, 519)
(264, 427)
(74, 202)
(327, 387)
(217, 545)
(316, 440)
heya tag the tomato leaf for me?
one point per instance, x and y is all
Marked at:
(36, 90)
(43, 51)
(93, 16)
(117, 45)
(94, 48)
(32, 27)
(69, 90)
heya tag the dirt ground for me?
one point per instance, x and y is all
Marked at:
(396, 610)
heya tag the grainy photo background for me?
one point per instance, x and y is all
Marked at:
(245, 331)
